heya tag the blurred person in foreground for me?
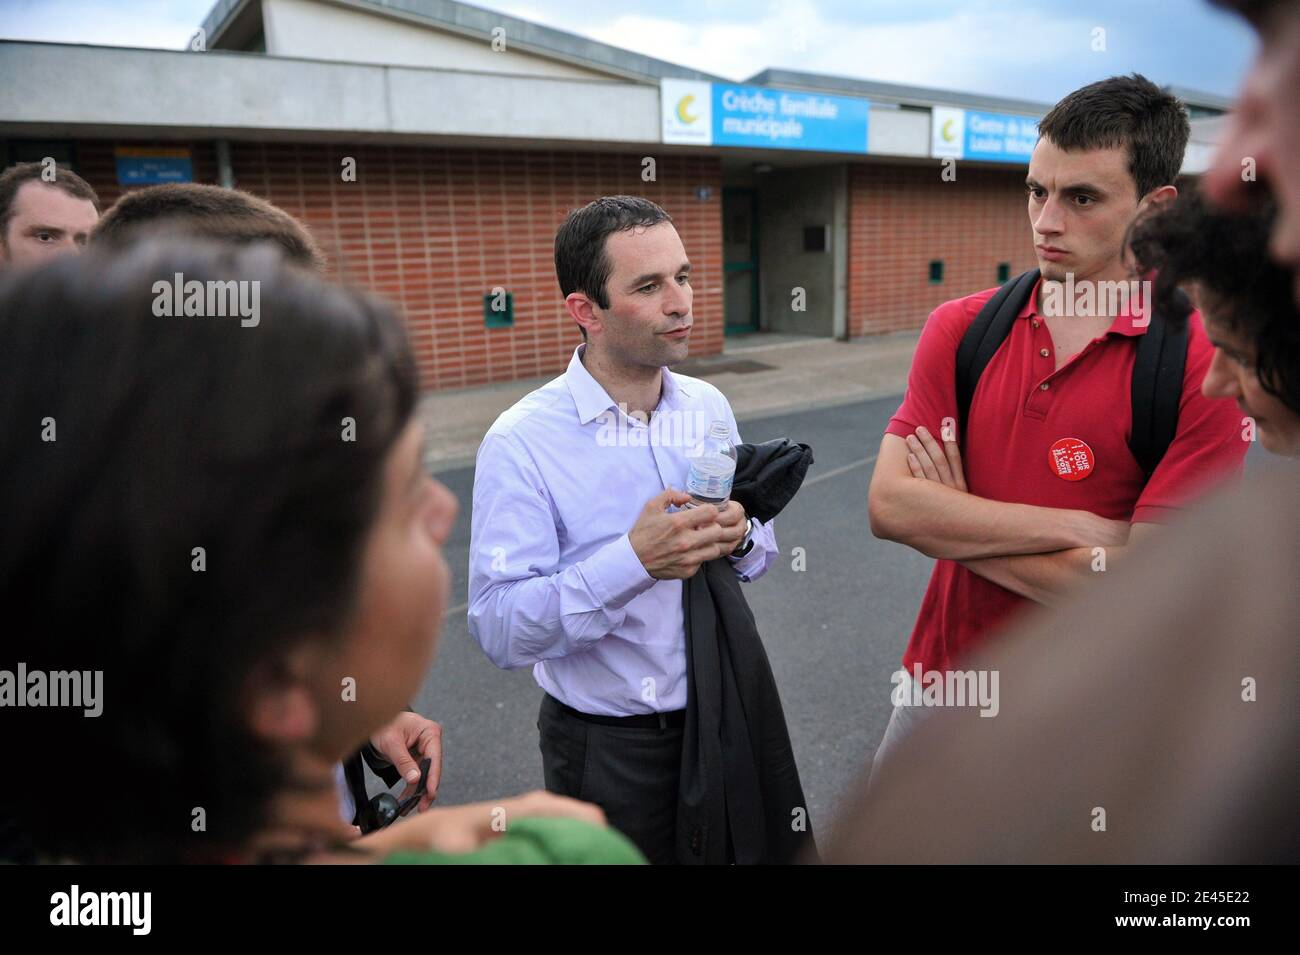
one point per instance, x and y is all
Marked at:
(241, 218)
(223, 525)
(1261, 138)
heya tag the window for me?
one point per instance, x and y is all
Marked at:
(814, 238)
(34, 150)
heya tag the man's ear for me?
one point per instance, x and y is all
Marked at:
(281, 708)
(1158, 197)
(583, 311)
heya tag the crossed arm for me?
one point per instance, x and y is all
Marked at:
(919, 497)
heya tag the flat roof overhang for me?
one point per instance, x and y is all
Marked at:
(61, 90)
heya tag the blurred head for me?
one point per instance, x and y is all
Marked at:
(195, 209)
(44, 211)
(231, 523)
(626, 281)
(1252, 321)
(1105, 152)
(1262, 138)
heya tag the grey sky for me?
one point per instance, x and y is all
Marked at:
(1027, 49)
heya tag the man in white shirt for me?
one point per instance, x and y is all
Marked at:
(577, 552)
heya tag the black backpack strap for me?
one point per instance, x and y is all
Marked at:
(985, 336)
(1157, 387)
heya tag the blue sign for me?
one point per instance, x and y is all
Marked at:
(785, 119)
(135, 168)
(1000, 137)
(992, 137)
(700, 113)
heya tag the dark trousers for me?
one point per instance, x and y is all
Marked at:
(629, 772)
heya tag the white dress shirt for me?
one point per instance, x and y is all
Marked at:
(560, 480)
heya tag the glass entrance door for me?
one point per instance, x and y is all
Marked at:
(740, 260)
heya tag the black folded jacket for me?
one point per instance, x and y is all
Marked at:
(740, 799)
(768, 475)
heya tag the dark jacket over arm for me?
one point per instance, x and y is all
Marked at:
(740, 797)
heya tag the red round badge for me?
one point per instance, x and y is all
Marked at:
(1071, 459)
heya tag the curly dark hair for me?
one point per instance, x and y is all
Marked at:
(171, 433)
(1189, 240)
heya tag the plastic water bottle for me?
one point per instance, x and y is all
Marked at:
(713, 467)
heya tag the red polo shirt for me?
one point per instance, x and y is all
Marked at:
(1021, 408)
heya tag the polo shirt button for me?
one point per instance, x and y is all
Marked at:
(1044, 386)
(1035, 323)
(1043, 352)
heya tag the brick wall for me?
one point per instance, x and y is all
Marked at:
(95, 163)
(435, 229)
(902, 217)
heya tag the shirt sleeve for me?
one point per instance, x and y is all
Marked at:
(1208, 446)
(522, 607)
(765, 551)
(931, 396)
(762, 556)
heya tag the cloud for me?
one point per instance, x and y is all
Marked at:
(1030, 51)
(960, 51)
(155, 23)
(1033, 49)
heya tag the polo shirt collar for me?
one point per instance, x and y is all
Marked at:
(591, 399)
(1130, 322)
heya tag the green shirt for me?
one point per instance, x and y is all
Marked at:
(537, 841)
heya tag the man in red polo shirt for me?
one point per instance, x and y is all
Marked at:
(1045, 491)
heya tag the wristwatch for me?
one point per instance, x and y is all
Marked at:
(747, 544)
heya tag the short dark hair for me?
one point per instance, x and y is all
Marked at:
(1128, 111)
(581, 262)
(1189, 240)
(13, 179)
(174, 433)
(208, 211)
